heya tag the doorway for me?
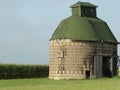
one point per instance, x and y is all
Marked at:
(87, 74)
(102, 66)
(106, 67)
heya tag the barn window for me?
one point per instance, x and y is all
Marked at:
(60, 54)
(91, 12)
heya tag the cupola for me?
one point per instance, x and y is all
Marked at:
(84, 9)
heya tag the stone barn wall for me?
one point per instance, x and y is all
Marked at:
(75, 59)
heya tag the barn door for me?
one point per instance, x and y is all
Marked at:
(98, 66)
(103, 66)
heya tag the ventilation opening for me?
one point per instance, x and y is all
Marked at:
(87, 74)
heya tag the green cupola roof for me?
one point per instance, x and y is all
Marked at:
(84, 26)
(78, 4)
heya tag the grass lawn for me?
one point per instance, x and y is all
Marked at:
(47, 84)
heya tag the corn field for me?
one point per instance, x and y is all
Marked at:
(13, 71)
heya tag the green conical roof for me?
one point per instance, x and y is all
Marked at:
(83, 28)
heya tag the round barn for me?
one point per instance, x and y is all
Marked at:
(82, 46)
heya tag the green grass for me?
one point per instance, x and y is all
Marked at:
(47, 84)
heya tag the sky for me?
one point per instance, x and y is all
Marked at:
(27, 25)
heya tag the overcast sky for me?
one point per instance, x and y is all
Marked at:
(27, 25)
